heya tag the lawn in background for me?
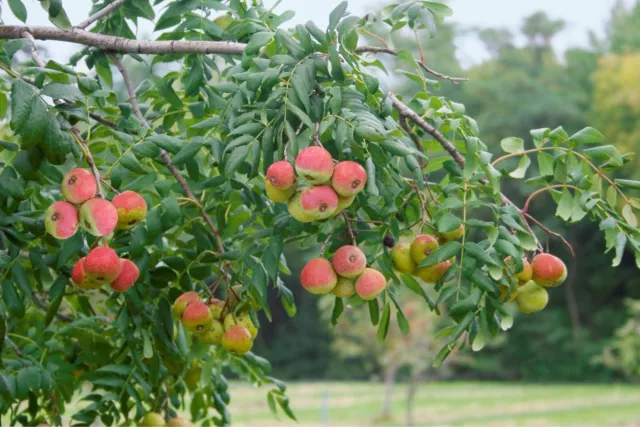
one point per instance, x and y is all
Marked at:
(455, 403)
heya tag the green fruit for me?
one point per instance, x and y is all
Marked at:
(152, 419)
(295, 209)
(422, 245)
(345, 288)
(401, 257)
(241, 319)
(532, 297)
(279, 195)
(213, 334)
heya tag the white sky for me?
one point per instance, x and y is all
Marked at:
(580, 15)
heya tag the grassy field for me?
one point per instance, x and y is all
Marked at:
(459, 403)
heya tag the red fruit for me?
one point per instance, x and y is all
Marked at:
(319, 202)
(433, 273)
(548, 270)
(349, 261)
(196, 317)
(314, 164)
(527, 272)
(61, 220)
(128, 275)
(318, 276)
(78, 186)
(237, 339)
(348, 178)
(422, 246)
(98, 216)
(370, 284)
(80, 278)
(281, 175)
(102, 264)
(131, 209)
(183, 301)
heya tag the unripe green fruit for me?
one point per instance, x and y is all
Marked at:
(450, 236)
(215, 307)
(213, 334)
(295, 209)
(345, 288)
(279, 195)
(433, 273)
(152, 419)
(192, 377)
(343, 203)
(532, 298)
(422, 246)
(61, 220)
(242, 319)
(237, 339)
(527, 272)
(401, 257)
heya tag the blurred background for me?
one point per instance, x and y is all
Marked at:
(531, 64)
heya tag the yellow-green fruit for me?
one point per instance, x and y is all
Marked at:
(237, 339)
(295, 209)
(178, 422)
(213, 334)
(504, 290)
(242, 319)
(193, 375)
(401, 256)
(422, 245)
(345, 288)
(532, 297)
(279, 195)
(450, 236)
(152, 419)
(343, 203)
(173, 367)
(216, 307)
(233, 296)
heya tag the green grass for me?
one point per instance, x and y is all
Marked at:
(456, 403)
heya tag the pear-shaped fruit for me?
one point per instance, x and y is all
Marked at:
(401, 257)
(242, 319)
(237, 339)
(532, 297)
(152, 419)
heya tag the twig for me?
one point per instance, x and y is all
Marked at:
(101, 13)
(316, 140)
(375, 49)
(324, 244)
(110, 43)
(416, 140)
(552, 233)
(111, 187)
(16, 349)
(43, 306)
(347, 223)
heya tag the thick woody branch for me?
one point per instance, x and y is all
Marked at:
(375, 49)
(404, 110)
(133, 99)
(100, 14)
(120, 44)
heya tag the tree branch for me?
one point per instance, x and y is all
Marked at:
(163, 154)
(120, 44)
(101, 13)
(375, 49)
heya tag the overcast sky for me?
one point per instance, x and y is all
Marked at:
(580, 15)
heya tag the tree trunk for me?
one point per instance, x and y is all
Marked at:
(389, 379)
(412, 388)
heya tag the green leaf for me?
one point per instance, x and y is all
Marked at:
(521, 170)
(337, 14)
(628, 183)
(257, 41)
(70, 249)
(35, 126)
(63, 91)
(383, 327)
(545, 164)
(512, 145)
(187, 152)
(338, 308)
(629, 216)
(587, 135)
(374, 311)
(621, 241)
(235, 159)
(18, 9)
(415, 287)
(565, 205)
(447, 222)
(371, 177)
(20, 278)
(483, 281)
(22, 95)
(442, 355)
(300, 114)
(443, 253)
(478, 253)
(129, 161)
(612, 196)
(194, 78)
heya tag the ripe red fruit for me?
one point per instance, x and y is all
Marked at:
(61, 220)
(98, 216)
(315, 165)
(102, 264)
(370, 284)
(348, 178)
(128, 275)
(237, 339)
(349, 261)
(319, 202)
(80, 279)
(548, 270)
(281, 175)
(131, 209)
(183, 301)
(196, 317)
(318, 276)
(78, 186)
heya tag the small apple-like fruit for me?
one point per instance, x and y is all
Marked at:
(318, 276)
(279, 195)
(128, 275)
(80, 278)
(213, 334)
(281, 175)
(152, 419)
(78, 186)
(181, 303)
(102, 264)
(349, 261)
(348, 178)
(315, 165)
(370, 284)
(216, 307)
(131, 209)
(527, 272)
(450, 236)
(344, 288)
(196, 317)
(242, 319)
(422, 245)
(178, 422)
(192, 377)
(548, 270)
(61, 220)
(98, 216)
(504, 290)
(433, 273)
(237, 339)
(319, 202)
(295, 209)
(532, 297)
(343, 203)
(401, 257)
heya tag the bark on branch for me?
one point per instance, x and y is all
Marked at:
(101, 13)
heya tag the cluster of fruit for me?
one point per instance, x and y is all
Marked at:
(154, 419)
(530, 294)
(208, 322)
(332, 188)
(406, 257)
(346, 275)
(99, 217)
